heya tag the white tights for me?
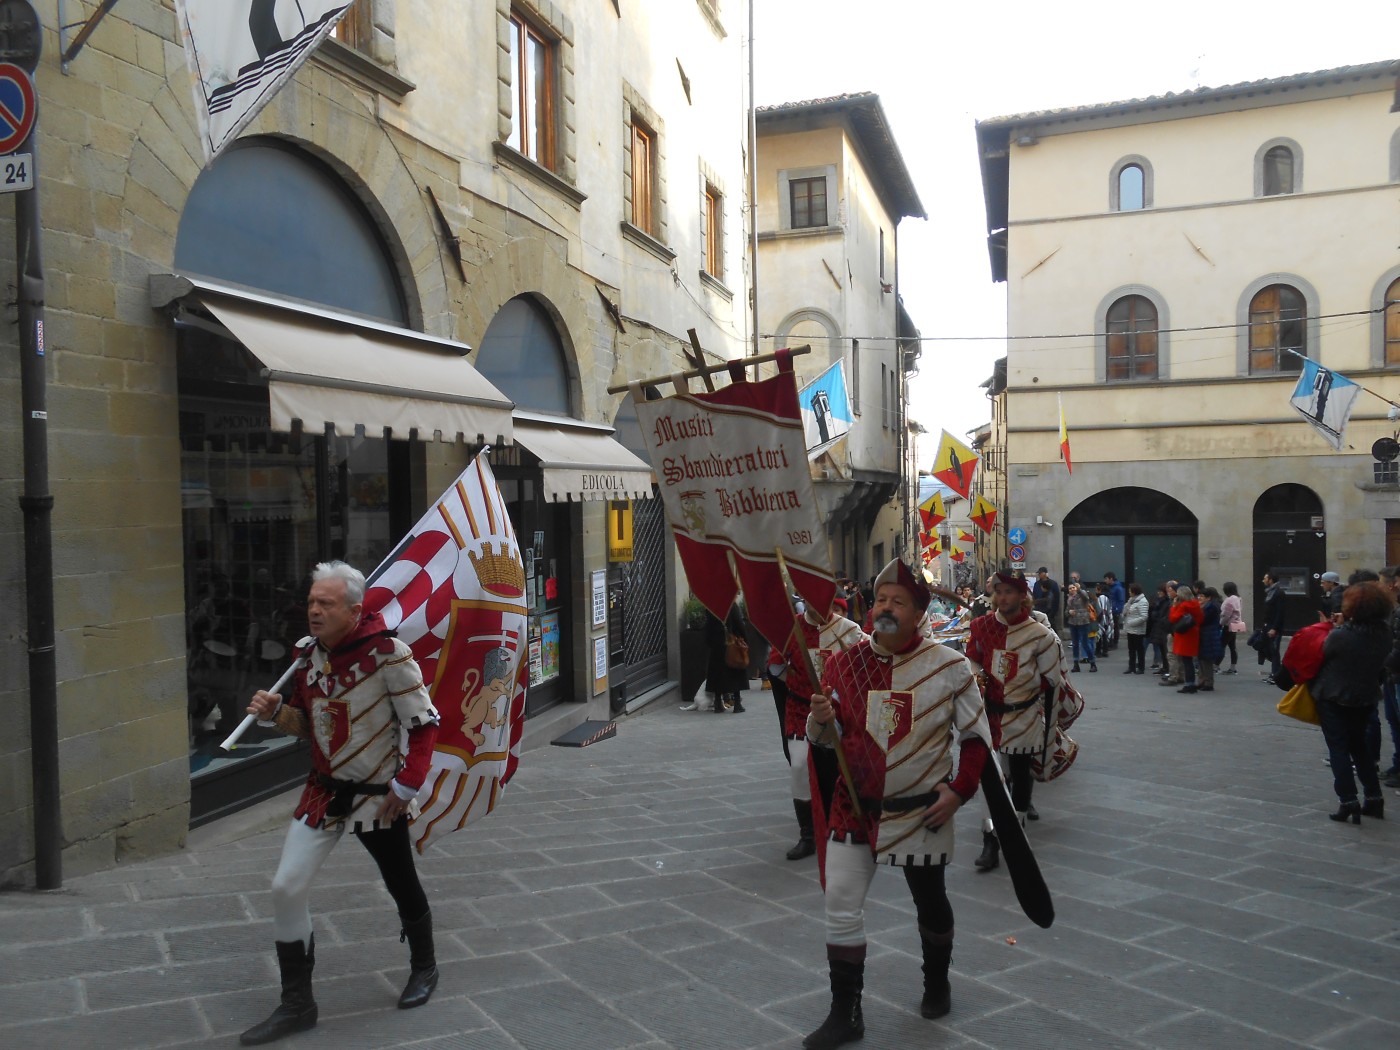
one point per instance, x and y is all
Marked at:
(849, 868)
(303, 853)
(797, 757)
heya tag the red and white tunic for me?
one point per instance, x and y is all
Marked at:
(835, 636)
(899, 715)
(1019, 661)
(357, 699)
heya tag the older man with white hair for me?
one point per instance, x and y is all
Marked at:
(355, 688)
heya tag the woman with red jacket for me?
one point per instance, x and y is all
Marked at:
(1185, 617)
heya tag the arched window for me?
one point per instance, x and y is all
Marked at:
(1278, 168)
(1278, 330)
(266, 215)
(1131, 326)
(522, 354)
(1130, 188)
(1130, 184)
(1392, 323)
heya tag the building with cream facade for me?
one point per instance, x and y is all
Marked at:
(1169, 263)
(457, 225)
(832, 190)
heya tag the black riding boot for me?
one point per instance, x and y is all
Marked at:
(806, 844)
(991, 853)
(297, 1011)
(844, 1024)
(938, 953)
(423, 975)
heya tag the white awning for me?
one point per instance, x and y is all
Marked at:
(582, 461)
(326, 367)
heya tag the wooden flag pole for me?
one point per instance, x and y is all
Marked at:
(709, 370)
(231, 741)
(815, 679)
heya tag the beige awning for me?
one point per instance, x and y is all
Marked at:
(582, 461)
(326, 367)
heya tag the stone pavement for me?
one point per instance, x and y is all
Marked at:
(634, 894)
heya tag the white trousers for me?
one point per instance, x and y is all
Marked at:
(849, 868)
(303, 852)
(797, 770)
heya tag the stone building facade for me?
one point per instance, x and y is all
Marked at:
(407, 193)
(1171, 263)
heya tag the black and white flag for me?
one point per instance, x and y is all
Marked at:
(242, 51)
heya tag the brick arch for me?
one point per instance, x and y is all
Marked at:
(532, 266)
(167, 158)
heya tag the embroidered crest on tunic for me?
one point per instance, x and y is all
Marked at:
(889, 717)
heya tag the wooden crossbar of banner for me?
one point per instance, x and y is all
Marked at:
(709, 370)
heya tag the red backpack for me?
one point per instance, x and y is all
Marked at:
(1303, 658)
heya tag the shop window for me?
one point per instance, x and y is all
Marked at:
(532, 63)
(1131, 339)
(1277, 330)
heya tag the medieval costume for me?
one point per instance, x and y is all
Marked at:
(353, 702)
(897, 714)
(1030, 702)
(792, 684)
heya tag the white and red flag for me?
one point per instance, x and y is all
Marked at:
(732, 466)
(454, 589)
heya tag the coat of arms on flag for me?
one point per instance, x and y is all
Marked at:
(826, 408)
(242, 51)
(955, 464)
(454, 589)
(1325, 398)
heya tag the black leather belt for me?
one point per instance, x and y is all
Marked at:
(999, 708)
(900, 803)
(343, 794)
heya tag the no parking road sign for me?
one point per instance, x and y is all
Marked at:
(17, 107)
(1017, 552)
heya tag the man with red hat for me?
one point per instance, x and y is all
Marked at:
(1020, 666)
(791, 684)
(896, 702)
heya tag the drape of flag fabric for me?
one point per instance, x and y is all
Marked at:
(966, 537)
(826, 408)
(932, 512)
(1325, 399)
(1064, 437)
(454, 589)
(241, 52)
(955, 464)
(983, 514)
(735, 485)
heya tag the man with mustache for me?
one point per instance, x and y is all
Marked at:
(1021, 667)
(896, 701)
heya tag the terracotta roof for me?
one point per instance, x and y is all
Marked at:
(871, 131)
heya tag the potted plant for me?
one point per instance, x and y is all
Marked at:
(695, 654)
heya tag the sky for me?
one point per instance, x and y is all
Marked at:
(939, 67)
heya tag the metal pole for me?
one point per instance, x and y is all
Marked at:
(753, 189)
(37, 505)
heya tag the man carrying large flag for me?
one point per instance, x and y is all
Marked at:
(897, 701)
(438, 627)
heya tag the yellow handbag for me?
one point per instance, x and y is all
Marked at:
(1298, 703)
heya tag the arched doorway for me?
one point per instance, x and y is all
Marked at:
(1141, 535)
(522, 354)
(1290, 543)
(261, 507)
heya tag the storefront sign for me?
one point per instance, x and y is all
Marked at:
(620, 530)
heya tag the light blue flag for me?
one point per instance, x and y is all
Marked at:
(826, 408)
(1324, 398)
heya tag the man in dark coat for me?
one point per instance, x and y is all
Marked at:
(1046, 594)
(1272, 625)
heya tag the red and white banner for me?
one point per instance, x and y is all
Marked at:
(455, 592)
(732, 466)
(242, 51)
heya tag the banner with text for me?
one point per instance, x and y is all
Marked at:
(242, 51)
(732, 466)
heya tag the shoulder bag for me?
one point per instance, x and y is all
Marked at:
(736, 652)
(1298, 703)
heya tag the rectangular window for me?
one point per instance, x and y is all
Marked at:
(713, 231)
(808, 200)
(532, 63)
(643, 177)
(855, 376)
(884, 398)
(356, 29)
